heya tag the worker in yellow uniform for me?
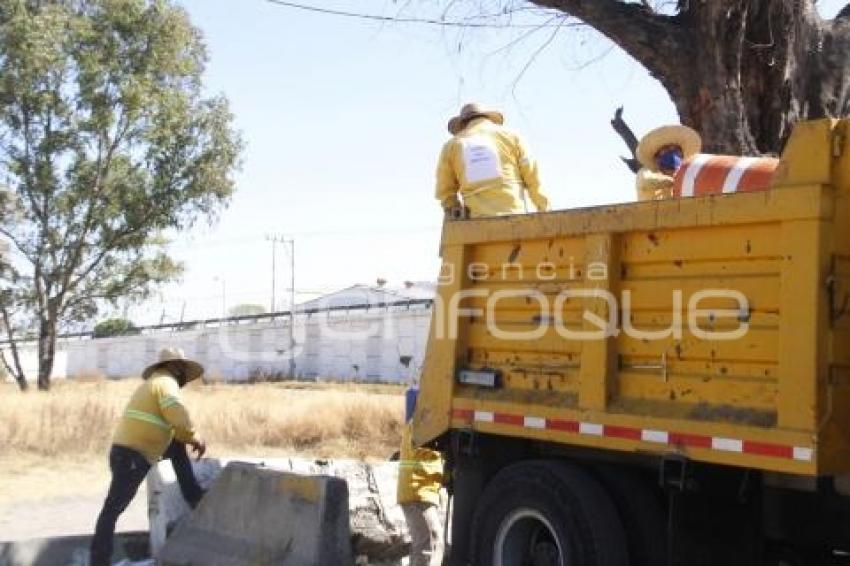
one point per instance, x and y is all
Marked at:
(155, 424)
(661, 152)
(486, 169)
(420, 479)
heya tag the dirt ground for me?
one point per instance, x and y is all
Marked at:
(41, 498)
(54, 470)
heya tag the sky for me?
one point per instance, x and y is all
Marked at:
(343, 120)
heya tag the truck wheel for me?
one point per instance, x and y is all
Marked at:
(546, 513)
(640, 512)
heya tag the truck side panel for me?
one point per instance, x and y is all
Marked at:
(610, 327)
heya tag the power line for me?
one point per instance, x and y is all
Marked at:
(400, 19)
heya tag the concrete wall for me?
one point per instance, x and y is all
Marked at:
(339, 345)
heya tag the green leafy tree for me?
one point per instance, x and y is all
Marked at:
(247, 310)
(109, 143)
(114, 327)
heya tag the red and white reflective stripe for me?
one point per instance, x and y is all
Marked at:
(692, 173)
(705, 174)
(736, 173)
(653, 436)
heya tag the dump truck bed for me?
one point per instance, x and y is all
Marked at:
(715, 328)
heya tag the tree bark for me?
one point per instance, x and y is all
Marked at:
(15, 372)
(14, 369)
(46, 348)
(761, 66)
(741, 72)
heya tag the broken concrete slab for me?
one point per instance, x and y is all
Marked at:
(166, 505)
(259, 516)
(378, 529)
(69, 551)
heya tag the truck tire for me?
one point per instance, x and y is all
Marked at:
(546, 513)
(641, 514)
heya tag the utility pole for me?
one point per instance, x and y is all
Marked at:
(274, 239)
(279, 239)
(223, 295)
(292, 308)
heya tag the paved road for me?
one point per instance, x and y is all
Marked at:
(61, 516)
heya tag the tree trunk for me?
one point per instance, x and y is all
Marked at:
(14, 369)
(757, 68)
(46, 348)
(741, 72)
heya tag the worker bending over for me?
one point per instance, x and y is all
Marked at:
(154, 425)
(420, 479)
(661, 152)
(486, 169)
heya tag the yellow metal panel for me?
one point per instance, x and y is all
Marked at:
(598, 371)
(728, 243)
(835, 418)
(530, 253)
(723, 396)
(756, 346)
(480, 338)
(705, 370)
(702, 268)
(746, 208)
(841, 163)
(543, 379)
(776, 398)
(761, 292)
(433, 409)
(527, 308)
(807, 159)
(802, 302)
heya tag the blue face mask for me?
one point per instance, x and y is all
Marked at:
(670, 160)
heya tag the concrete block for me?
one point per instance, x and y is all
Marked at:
(378, 529)
(69, 551)
(166, 505)
(258, 516)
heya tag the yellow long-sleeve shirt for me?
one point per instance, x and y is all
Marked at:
(490, 168)
(420, 472)
(653, 185)
(155, 415)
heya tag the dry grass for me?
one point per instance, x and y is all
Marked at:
(75, 420)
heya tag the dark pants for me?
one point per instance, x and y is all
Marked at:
(129, 469)
(192, 492)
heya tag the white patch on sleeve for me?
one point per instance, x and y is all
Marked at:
(480, 159)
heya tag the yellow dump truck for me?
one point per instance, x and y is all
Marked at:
(651, 383)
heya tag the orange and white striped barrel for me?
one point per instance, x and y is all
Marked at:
(705, 174)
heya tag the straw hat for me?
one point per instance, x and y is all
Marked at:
(471, 111)
(682, 136)
(167, 356)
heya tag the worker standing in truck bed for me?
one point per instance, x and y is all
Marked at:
(486, 169)
(661, 152)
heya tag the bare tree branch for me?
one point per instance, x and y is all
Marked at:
(636, 28)
(18, 244)
(629, 137)
(533, 58)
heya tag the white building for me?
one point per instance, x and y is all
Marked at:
(358, 333)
